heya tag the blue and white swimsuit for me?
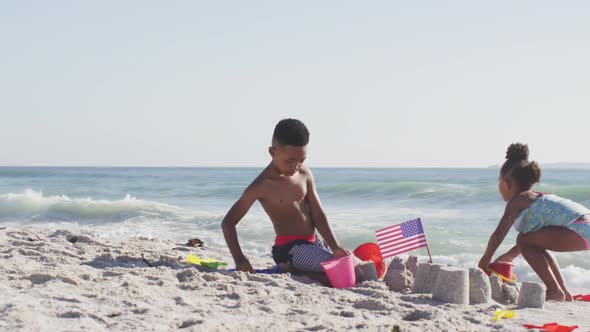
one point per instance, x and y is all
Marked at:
(552, 210)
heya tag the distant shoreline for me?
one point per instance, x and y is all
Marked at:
(557, 166)
(565, 166)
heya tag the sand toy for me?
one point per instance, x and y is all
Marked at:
(552, 327)
(272, 270)
(503, 314)
(340, 271)
(503, 270)
(206, 262)
(370, 252)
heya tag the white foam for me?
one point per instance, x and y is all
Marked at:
(33, 205)
(129, 217)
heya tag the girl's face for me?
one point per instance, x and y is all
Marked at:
(505, 187)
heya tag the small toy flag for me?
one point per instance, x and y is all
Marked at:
(398, 239)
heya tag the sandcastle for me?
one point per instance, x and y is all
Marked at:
(505, 293)
(452, 285)
(455, 285)
(532, 295)
(496, 284)
(425, 277)
(480, 289)
(366, 271)
(412, 265)
(510, 293)
(398, 278)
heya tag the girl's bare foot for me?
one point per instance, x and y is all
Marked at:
(557, 295)
(568, 296)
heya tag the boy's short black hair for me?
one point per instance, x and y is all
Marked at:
(291, 132)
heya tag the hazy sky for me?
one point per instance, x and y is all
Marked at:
(379, 83)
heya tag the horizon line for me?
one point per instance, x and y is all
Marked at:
(558, 165)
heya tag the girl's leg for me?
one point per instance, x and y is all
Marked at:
(557, 274)
(533, 247)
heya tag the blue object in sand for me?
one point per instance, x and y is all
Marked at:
(273, 270)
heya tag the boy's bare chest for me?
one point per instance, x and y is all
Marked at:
(286, 192)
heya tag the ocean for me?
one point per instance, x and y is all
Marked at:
(459, 208)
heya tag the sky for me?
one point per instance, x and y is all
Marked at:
(378, 83)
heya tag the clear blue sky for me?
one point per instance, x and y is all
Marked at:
(379, 83)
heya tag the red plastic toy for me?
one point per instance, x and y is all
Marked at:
(581, 297)
(503, 270)
(370, 252)
(552, 327)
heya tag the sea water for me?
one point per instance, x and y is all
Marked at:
(459, 208)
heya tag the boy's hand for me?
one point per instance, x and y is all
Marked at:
(341, 252)
(244, 266)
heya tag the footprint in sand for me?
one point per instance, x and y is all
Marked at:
(140, 311)
(371, 304)
(418, 315)
(71, 314)
(65, 299)
(25, 252)
(190, 322)
(29, 244)
(41, 278)
(180, 301)
(112, 274)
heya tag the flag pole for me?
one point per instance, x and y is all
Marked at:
(428, 249)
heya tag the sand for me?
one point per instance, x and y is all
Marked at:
(56, 280)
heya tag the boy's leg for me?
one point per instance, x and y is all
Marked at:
(307, 257)
(301, 257)
(533, 246)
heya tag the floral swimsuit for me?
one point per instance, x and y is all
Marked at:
(552, 210)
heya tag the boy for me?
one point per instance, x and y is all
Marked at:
(286, 191)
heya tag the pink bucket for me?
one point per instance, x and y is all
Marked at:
(340, 271)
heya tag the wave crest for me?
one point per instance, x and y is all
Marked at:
(34, 206)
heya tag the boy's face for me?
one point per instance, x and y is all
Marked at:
(288, 159)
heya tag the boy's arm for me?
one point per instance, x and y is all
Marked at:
(228, 225)
(320, 220)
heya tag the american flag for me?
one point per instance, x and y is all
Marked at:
(397, 239)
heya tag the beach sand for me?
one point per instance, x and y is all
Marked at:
(57, 280)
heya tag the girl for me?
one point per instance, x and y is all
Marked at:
(544, 222)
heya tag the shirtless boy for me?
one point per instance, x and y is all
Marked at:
(286, 190)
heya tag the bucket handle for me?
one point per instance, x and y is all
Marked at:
(514, 279)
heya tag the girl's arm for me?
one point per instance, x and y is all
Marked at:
(513, 208)
(509, 256)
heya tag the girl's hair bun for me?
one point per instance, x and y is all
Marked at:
(517, 152)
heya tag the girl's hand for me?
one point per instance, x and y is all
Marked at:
(484, 263)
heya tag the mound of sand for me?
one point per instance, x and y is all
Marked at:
(53, 280)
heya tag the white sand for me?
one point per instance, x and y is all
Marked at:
(48, 283)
